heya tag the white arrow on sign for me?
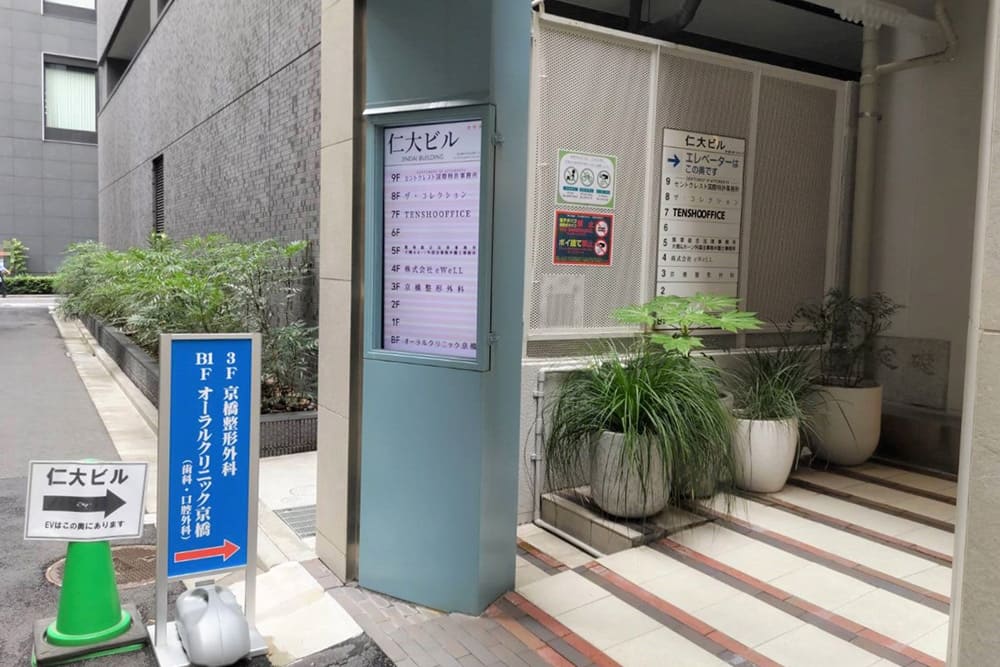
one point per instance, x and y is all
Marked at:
(85, 501)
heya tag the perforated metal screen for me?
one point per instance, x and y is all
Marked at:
(593, 95)
(791, 197)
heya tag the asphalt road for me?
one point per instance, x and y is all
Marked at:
(45, 413)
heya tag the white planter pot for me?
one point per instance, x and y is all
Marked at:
(764, 450)
(617, 488)
(848, 424)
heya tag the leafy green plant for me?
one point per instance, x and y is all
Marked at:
(671, 321)
(17, 255)
(664, 404)
(201, 285)
(289, 357)
(847, 328)
(29, 284)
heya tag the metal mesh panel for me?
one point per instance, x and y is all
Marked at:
(703, 97)
(593, 97)
(791, 196)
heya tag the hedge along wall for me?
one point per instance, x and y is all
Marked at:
(280, 433)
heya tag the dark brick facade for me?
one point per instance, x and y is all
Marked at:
(228, 92)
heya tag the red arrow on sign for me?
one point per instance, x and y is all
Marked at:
(226, 550)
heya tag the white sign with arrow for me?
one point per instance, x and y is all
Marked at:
(84, 501)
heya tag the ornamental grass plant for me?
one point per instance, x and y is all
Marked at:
(203, 285)
(661, 399)
(776, 383)
(665, 405)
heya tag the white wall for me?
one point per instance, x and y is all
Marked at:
(926, 189)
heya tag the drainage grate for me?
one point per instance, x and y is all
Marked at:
(135, 565)
(302, 520)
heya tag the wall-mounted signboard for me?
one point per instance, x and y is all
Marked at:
(431, 196)
(701, 205)
(431, 229)
(583, 238)
(586, 178)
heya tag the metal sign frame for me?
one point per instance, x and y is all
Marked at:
(162, 638)
(378, 122)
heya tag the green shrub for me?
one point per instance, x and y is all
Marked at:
(202, 285)
(29, 284)
(18, 256)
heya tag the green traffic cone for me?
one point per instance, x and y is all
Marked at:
(89, 608)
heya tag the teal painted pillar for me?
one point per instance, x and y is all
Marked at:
(439, 445)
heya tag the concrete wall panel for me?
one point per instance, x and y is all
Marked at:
(48, 189)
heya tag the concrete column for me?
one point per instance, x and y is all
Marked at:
(976, 589)
(336, 504)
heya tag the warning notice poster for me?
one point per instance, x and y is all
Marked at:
(583, 238)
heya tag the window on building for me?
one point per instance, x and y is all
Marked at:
(85, 10)
(70, 99)
(158, 194)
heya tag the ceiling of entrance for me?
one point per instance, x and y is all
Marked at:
(809, 35)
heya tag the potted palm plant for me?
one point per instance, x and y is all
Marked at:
(774, 400)
(646, 411)
(848, 426)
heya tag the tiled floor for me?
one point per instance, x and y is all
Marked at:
(837, 570)
(842, 568)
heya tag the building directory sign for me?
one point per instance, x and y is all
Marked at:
(209, 471)
(586, 178)
(701, 205)
(85, 501)
(431, 226)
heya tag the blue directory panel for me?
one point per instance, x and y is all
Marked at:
(211, 409)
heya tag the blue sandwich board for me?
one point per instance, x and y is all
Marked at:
(210, 463)
(209, 423)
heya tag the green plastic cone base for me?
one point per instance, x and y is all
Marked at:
(54, 636)
(89, 608)
(96, 654)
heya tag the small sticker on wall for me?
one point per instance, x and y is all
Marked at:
(586, 178)
(583, 238)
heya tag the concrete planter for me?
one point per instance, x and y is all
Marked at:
(618, 489)
(848, 424)
(280, 433)
(765, 451)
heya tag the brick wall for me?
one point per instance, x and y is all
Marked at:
(228, 93)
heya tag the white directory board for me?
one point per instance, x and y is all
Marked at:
(84, 501)
(701, 206)
(431, 193)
